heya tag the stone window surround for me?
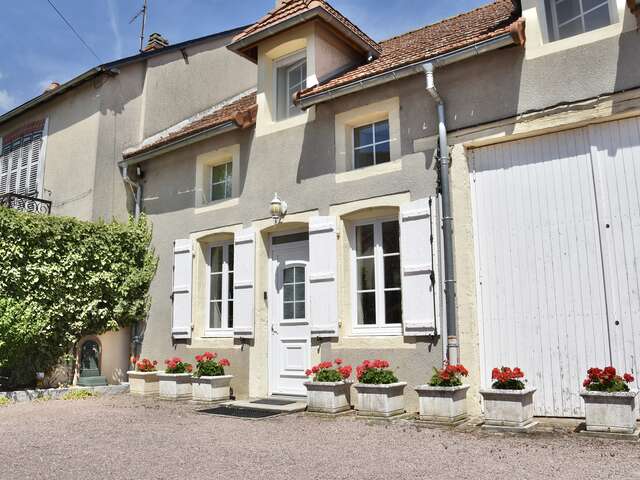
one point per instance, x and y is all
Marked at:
(204, 163)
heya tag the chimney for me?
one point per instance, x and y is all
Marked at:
(156, 42)
(52, 86)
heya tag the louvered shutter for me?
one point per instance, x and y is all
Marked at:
(34, 165)
(4, 168)
(181, 295)
(14, 166)
(418, 299)
(323, 287)
(244, 284)
(23, 165)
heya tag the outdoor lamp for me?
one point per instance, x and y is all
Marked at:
(278, 209)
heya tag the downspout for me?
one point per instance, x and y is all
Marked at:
(453, 348)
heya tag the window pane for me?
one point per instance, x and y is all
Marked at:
(363, 136)
(218, 191)
(215, 315)
(597, 19)
(364, 240)
(288, 311)
(299, 274)
(216, 287)
(363, 157)
(590, 4)
(382, 131)
(366, 308)
(230, 296)
(366, 274)
(288, 293)
(567, 9)
(219, 173)
(393, 307)
(216, 259)
(299, 293)
(294, 77)
(383, 154)
(392, 272)
(391, 237)
(230, 259)
(288, 275)
(300, 313)
(230, 313)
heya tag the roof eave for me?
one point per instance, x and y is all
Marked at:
(245, 44)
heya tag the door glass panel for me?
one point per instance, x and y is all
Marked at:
(366, 274)
(367, 308)
(215, 320)
(364, 240)
(293, 295)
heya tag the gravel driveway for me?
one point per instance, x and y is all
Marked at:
(126, 438)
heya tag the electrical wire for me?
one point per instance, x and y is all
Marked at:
(74, 30)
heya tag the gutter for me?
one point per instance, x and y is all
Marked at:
(500, 41)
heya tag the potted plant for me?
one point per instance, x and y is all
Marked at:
(379, 392)
(143, 379)
(610, 405)
(329, 390)
(209, 383)
(444, 399)
(508, 404)
(175, 381)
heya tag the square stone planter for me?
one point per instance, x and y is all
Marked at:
(447, 405)
(380, 400)
(328, 397)
(610, 412)
(143, 383)
(211, 389)
(175, 386)
(508, 409)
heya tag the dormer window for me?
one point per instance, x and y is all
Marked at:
(291, 77)
(567, 18)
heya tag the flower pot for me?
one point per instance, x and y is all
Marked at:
(211, 389)
(443, 404)
(610, 412)
(380, 400)
(175, 386)
(143, 383)
(508, 408)
(328, 397)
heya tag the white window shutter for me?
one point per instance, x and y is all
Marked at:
(323, 287)
(181, 295)
(418, 300)
(244, 284)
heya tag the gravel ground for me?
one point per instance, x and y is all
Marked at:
(126, 438)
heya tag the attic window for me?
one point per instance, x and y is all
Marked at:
(567, 18)
(291, 77)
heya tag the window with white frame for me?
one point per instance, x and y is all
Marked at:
(20, 164)
(376, 267)
(221, 182)
(567, 18)
(291, 77)
(371, 144)
(220, 288)
(293, 293)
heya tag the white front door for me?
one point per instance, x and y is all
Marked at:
(289, 352)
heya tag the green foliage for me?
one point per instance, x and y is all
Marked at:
(378, 376)
(512, 384)
(4, 401)
(62, 279)
(78, 395)
(209, 368)
(328, 375)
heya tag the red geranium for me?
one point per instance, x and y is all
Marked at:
(607, 380)
(324, 371)
(505, 378)
(177, 365)
(207, 365)
(448, 376)
(145, 365)
(375, 372)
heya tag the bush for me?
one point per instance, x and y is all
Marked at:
(4, 401)
(63, 279)
(78, 395)
(375, 373)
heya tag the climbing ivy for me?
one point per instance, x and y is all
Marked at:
(62, 279)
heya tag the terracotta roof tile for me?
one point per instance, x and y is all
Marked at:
(292, 8)
(428, 42)
(241, 110)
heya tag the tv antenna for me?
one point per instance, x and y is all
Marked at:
(142, 13)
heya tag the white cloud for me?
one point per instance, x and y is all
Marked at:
(113, 21)
(7, 101)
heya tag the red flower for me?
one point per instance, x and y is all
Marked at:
(308, 372)
(189, 368)
(315, 369)
(338, 361)
(494, 374)
(586, 383)
(628, 378)
(224, 362)
(199, 358)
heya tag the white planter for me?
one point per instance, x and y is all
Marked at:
(328, 397)
(143, 383)
(211, 389)
(610, 412)
(508, 408)
(442, 404)
(175, 386)
(380, 400)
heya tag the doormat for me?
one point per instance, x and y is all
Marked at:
(273, 401)
(229, 411)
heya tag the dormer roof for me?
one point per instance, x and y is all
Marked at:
(295, 12)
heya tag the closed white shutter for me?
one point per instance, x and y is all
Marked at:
(182, 278)
(418, 300)
(34, 165)
(4, 168)
(323, 288)
(244, 284)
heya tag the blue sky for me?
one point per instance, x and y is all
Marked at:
(40, 48)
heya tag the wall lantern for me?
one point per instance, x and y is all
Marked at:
(278, 209)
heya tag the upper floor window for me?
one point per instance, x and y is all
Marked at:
(220, 288)
(567, 18)
(221, 182)
(20, 162)
(371, 144)
(291, 77)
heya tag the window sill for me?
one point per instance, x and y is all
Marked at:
(375, 331)
(226, 333)
(266, 125)
(209, 207)
(372, 171)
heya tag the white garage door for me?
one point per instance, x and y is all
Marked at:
(557, 228)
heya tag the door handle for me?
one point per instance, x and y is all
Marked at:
(273, 330)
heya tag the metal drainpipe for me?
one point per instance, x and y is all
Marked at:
(453, 348)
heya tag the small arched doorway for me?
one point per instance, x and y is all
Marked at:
(89, 364)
